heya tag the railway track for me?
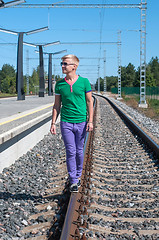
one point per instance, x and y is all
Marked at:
(118, 197)
(49, 213)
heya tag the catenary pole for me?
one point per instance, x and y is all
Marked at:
(41, 72)
(27, 70)
(41, 64)
(50, 89)
(19, 75)
(143, 103)
(142, 6)
(119, 65)
(105, 80)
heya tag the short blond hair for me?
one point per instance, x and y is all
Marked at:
(72, 57)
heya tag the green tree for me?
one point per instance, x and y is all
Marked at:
(5, 84)
(150, 80)
(154, 68)
(56, 77)
(101, 84)
(123, 76)
(128, 75)
(8, 79)
(112, 82)
(34, 80)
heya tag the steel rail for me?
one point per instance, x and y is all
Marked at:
(66, 230)
(78, 6)
(142, 134)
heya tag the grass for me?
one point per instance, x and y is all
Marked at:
(153, 106)
(3, 95)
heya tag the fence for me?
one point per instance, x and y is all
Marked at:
(151, 92)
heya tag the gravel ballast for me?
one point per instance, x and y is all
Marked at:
(23, 183)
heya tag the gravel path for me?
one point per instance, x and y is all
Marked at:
(23, 184)
(151, 125)
(125, 183)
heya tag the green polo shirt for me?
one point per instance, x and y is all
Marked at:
(74, 108)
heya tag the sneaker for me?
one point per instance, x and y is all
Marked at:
(79, 183)
(74, 187)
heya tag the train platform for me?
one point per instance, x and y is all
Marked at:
(22, 125)
(15, 113)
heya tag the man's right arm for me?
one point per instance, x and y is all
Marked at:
(55, 113)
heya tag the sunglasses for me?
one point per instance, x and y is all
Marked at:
(66, 64)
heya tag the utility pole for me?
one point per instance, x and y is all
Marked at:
(142, 6)
(143, 103)
(119, 65)
(105, 79)
(98, 78)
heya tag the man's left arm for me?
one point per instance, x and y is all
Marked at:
(89, 101)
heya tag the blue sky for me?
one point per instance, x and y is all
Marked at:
(80, 25)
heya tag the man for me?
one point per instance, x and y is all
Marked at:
(74, 94)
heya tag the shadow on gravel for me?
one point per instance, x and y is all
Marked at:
(23, 196)
(19, 196)
(58, 220)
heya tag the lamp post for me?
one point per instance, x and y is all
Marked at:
(41, 64)
(19, 76)
(50, 90)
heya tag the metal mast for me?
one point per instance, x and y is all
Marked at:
(143, 55)
(41, 65)
(10, 4)
(98, 78)
(19, 75)
(143, 6)
(41, 72)
(119, 64)
(27, 70)
(105, 80)
(50, 90)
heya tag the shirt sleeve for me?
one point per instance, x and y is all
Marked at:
(87, 86)
(57, 90)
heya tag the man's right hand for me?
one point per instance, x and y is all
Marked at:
(53, 129)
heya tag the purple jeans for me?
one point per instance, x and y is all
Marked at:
(73, 135)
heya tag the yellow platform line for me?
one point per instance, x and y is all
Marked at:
(25, 115)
